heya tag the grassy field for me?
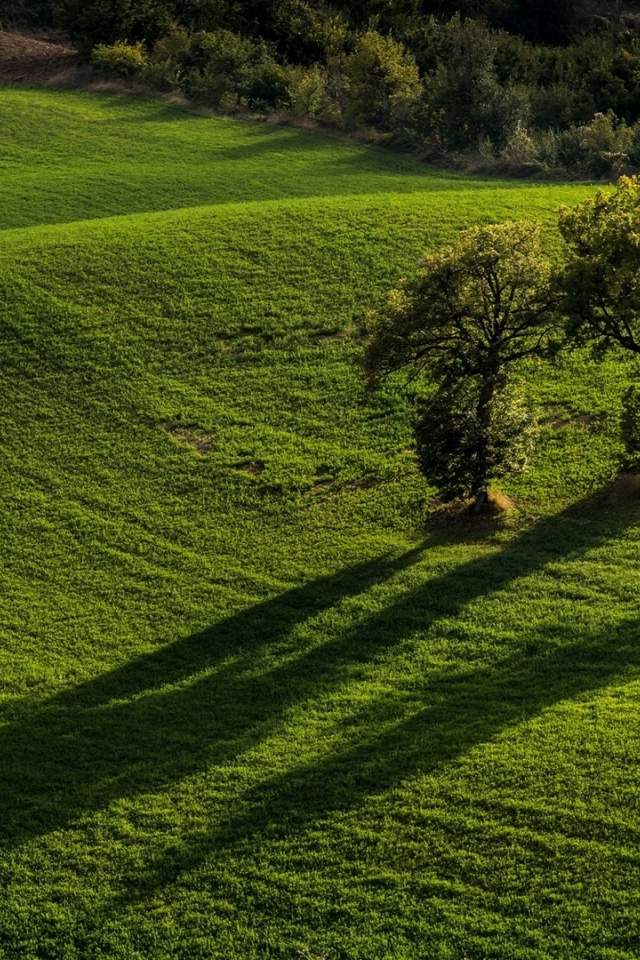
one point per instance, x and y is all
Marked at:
(253, 702)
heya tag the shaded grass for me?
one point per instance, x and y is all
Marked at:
(249, 705)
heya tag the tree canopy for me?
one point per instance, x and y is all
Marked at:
(600, 283)
(473, 309)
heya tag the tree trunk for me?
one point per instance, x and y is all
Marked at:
(483, 414)
(480, 501)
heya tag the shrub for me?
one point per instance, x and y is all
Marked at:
(307, 91)
(546, 145)
(126, 60)
(163, 69)
(222, 68)
(463, 101)
(521, 148)
(552, 107)
(600, 149)
(93, 22)
(384, 83)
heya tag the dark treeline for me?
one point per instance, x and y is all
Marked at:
(539, 21)
(528, 85)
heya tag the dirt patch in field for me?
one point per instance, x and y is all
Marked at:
(559, 416)
(460, 514)
(27, 61)
(255, 467)
(191, 435)
(366, 483)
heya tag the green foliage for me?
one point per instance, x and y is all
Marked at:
(474, 308)
(29, 13)
(520, 148)
(600, 283)
(384, 83)
(456, 79)
(539, 21)
(460, 451)
(567, 85)
(93, 22)
(464, 102)
(602, 148)
(307, 91)
(126, 60)
(163, 68)
(223, 69)
(304, 32)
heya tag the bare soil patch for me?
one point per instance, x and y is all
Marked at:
(460, 514)
(255, 467)
(559, 416)
(27, 61)
(191, 435)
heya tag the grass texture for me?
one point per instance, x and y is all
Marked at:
(253, 702)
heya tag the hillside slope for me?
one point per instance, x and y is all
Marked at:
(29, 61)
(251, 703)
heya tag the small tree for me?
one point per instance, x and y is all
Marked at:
(474, 310)
(463, 102)
(600, 284)
(384, 83)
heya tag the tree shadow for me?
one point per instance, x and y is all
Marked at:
(459, 710)
(124, 732)
(202, 700)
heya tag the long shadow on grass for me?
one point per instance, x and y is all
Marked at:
(124, 732)
(395, 738)
(204, 701)
(459, 711)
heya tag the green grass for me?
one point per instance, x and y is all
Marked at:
(66, 160)
(251, 701)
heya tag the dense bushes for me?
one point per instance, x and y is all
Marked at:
(29, 13)
(384, 83)
(223, 69)
(513, 84)
(463, 102)
(112, 21)
(459, 106)
(219, 68)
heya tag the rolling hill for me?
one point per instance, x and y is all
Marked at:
(254, 703)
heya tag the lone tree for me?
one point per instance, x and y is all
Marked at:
(600, 284)
(474, 310)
